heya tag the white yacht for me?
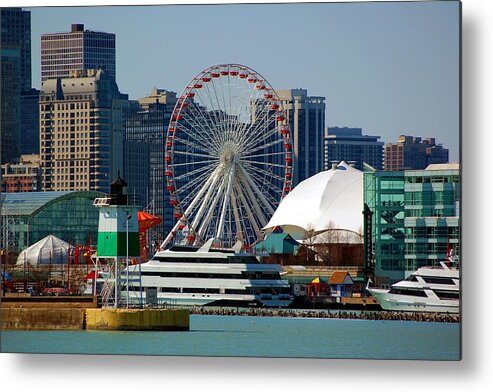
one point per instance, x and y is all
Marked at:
(429, 289)
(206, 276)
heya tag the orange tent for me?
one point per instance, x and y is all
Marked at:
(146, 221)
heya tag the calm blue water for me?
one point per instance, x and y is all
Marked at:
(257, 336)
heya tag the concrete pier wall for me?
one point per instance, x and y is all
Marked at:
(41, 318)
(138, 319)
(77, 313)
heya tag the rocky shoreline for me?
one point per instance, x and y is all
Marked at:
(332, 314)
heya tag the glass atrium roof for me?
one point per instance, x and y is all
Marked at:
(25, 203)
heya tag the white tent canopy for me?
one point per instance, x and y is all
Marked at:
(49, 250)
(330, 199)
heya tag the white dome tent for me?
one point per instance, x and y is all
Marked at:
(331, 199)
(50, 250)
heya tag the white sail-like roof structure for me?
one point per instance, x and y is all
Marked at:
(330, 199)
(49, 250)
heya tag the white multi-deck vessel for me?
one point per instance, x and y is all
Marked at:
(429, 289)
(206, 276)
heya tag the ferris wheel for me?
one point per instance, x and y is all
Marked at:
(228, 157)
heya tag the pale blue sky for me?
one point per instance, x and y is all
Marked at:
(389, 68)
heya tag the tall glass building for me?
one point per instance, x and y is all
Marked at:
(16, 32)
(29, 121)
(145, 138)
(15, 78)
(28, 217)
(306, 117)
(10, 111)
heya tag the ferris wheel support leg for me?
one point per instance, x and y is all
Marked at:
(220, 228)
(182, 220)
(248, 210)
(236, 214)
(257, 191)
(207, 197)
(260, 215)
(208, 217)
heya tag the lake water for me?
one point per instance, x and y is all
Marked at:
(257, 337)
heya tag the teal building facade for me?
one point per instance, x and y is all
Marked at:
(416, 218)
(384, 195)
(432, 209)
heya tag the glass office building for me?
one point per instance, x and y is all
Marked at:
(384, 195)
(306, 117)
(15, 78)
(145, 140)
(432, 222)
(416, 218)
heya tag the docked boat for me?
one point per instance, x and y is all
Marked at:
(188, 276)
(429, 289)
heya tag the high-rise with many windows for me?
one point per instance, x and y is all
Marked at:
(306, 117)
(350, 145)
(413, 153)
(145, 138)
(81, 132)
(77, 50)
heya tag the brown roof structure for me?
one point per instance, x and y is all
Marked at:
(338, 277)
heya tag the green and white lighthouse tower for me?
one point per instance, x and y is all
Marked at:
(118, 241)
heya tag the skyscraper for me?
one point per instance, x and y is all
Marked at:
(411, 152)
(77, 50)
(29, 122)
(350, 145)
(10, 104)
(15, 77)
(149, 126)
(81, 132)
(16, 32)
(306, 117)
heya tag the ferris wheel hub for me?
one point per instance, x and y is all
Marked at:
(229, 154)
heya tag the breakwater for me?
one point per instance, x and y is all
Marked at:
(380, 315)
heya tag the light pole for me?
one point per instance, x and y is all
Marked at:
(140, 284)
(126, 227)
